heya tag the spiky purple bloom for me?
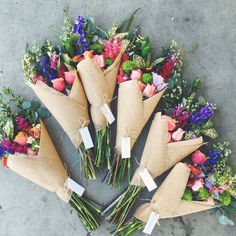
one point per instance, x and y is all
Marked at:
(48, 72)
(78, 28)
(203, 115)
(213, 156)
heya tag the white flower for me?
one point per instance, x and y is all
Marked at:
(30, 140)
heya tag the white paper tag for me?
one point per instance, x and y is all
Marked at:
(86, 137)
(71, 184)
(107, 113)
(125, 147)
(148, 180)
(152, 221)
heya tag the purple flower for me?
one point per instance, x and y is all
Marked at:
(16, 147)
(203, 115)
(78, 28)
(22, 124)
(48, 72)
(213, 156)
(208, 185)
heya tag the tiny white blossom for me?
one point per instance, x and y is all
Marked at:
(30, 140)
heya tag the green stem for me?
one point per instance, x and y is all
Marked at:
(87, 212)
(87, 160)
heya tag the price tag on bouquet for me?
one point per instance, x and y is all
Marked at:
(125, 147)
(71, 184)
(151, 223)
(148, 180)
(107, 113)
(86, 137)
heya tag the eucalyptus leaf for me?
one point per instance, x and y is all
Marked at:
(224, 220)
(43, 112)
(171, 83)
(26, 105)
(202, 100)
(35, 105)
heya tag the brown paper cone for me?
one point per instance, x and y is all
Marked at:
(99, 86)
(70, 111)
(45, 169)
(133, 113)
(158, 156)
(167, 201)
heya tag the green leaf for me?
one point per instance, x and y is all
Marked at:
(125, 26)
(43, 112)
(202, 100)
(171, 83)
(35, 105)
(26, 105)
(157, 61)
(211, 133)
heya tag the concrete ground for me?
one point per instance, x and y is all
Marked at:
(205, 30)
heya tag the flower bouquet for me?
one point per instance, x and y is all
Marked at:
(159, 155)
(55, 81)
(97, 54)
(140, 90)
(27, 149)
(166, 203)
(211, 179)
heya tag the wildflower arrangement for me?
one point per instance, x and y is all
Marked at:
(140, 103)
(27, 149)
(57, 85)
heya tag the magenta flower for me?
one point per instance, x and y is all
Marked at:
(22, 124)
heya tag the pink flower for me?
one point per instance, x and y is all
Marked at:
(150, 90)
(21, 138)
(31, 152)
(100, 60)
(171, 122)
(136, 74)
(168, 140)
(54, 60)
(141, 85)
(59, 84)
(199, 158)
(197, 185)
(112, 49)
(70, 77)
(38, 78)
(178, 134)
(183, 119)
(223, 187)
(211, 201)
(125, 57)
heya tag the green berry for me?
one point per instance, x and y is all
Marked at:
(146, 78)
(128, 66)
(188, 195)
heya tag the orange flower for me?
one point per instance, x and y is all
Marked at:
(88, 54)
(21, 138)
(36, 131)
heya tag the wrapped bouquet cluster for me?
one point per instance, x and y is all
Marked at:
(76, 79)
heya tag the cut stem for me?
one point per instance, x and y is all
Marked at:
(116, 175)
(103, 148)
(87, 212)
(87, 162)
(122, 208)
(128, 229)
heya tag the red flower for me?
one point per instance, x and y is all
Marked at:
(61, 71)
(125, 57)
(4, 162)
(195, 171)
(167, 69)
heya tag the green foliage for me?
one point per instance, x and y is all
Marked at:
(70, 44)
(146, 78)
(203, 194)
(97, 47)
(128, 66)
(145, 47)
(225, 198)
(188, 196)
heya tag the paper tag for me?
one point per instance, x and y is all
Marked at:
(107, 113)
(71, 184)
(86, 137)
(125, 147)
(152, 221)
(148, 180)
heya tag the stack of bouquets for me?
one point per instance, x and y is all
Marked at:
(27, 149)
(141, 86)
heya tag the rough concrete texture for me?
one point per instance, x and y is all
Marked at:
(208, 26)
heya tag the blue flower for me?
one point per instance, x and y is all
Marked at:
(213, 155)
(78, 28)
(203, 115)
(49, 73)
(1, 151)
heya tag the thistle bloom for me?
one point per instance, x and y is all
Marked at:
(203, 115)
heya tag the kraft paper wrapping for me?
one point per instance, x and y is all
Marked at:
(158, 155)
(132, 112)
(99, 86)
(167, 201)
(71, 111)
(45, 169)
